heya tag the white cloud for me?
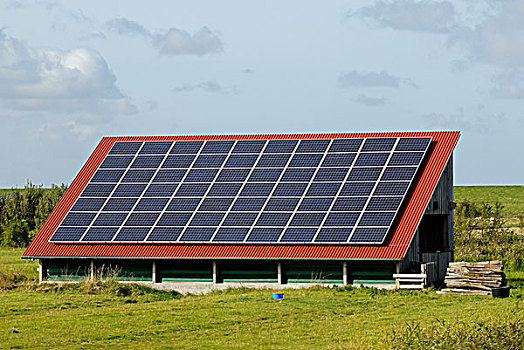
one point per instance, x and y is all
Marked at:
(81, 130)
(479, 122)
(495, 38)
(371, 101)
(93, 36)
(174, 41)
(420, 16)
(180, 42)
(210, 86)
(498, 39)
(74, 81)
(152, 105)
(123, 26)
(368, 79)
(488, 33)
(509, 85)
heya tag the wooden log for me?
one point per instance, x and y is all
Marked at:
(474, 276)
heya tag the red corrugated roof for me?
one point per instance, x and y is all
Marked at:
(395, 246)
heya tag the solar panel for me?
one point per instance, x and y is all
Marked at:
(265, 234)
(222, 147)
(132, 234)
(215, 204)
(138, 176)
(249, 146)
(183, 204)
(298, 235)
(125, 147)
(186, 147)
(315, 204)
(107, 176)
(230, 234)
(68, 234)
(100, 234)
(282, 204)
(88, 204)
(171, 175)
(141, 219)
(248, 204)
(156, 147)
(119, 204)
(151, 204)
(165, 234)
(116, 162)
(241, 191)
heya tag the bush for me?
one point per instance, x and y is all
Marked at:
(23, 212)
(480, 235)
(507, 334)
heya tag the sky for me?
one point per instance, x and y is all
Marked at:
(72, 72)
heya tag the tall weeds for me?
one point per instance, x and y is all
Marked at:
(507, 333)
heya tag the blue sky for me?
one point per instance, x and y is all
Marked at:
(72, 72)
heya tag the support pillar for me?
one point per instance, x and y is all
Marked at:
(215, 272)
(41, 271)
(345, 273)
(153, 272)
(397, 271)
(92, 270)
(279, 272)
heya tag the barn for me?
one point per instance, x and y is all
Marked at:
(282, 210)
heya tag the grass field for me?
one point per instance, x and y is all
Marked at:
(50, 317)
(512, 197)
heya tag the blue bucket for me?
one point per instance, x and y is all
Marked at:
(278, 295)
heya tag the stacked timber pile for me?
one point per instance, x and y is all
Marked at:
(474, 278)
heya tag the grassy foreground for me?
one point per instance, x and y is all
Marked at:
(111, 315)
(73, 317)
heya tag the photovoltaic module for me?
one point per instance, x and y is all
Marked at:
(246, 191)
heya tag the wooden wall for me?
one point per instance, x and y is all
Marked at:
(438, 205)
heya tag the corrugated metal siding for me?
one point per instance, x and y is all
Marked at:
(395, 246)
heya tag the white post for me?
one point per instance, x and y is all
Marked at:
(279, 272)
(215, 272)
(153, 272)
(345, 273)
(397, 271)
(40, 271)
(92, 270)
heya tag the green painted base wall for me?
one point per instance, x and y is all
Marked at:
(371, 273)
(66, 270)
(248, 271)
(313, 272)
(252, 271)
(125, 270)
(185, 271)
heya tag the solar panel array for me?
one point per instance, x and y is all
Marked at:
(246, 191)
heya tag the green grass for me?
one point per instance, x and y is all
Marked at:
(316, 318)
(10, 262)
(512, 197)
(111, 315)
